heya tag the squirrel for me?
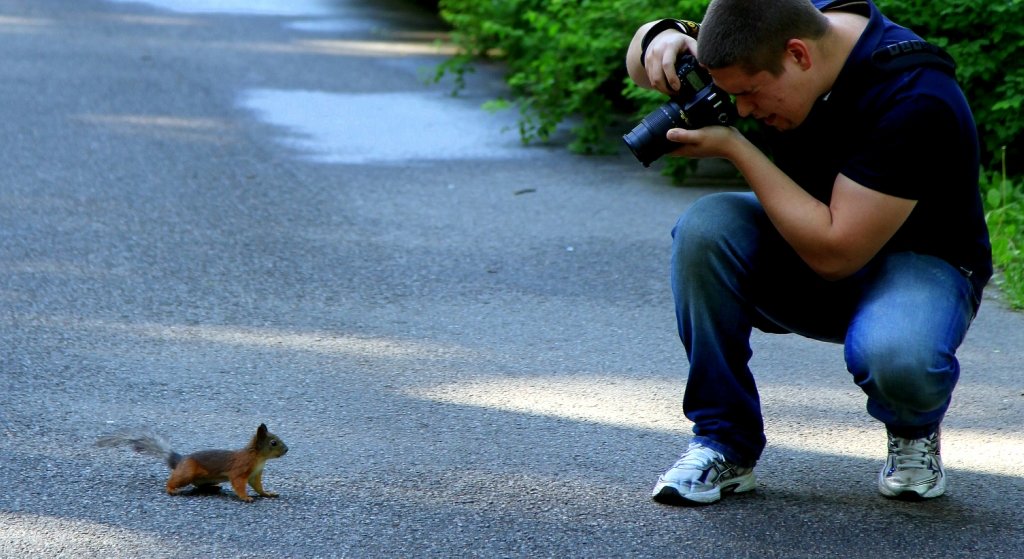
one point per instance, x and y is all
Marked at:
(207, 469)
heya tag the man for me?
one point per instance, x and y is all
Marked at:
(865, 227)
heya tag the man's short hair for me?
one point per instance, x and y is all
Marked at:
(753, 33)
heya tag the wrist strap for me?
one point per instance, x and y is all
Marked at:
(685, 27)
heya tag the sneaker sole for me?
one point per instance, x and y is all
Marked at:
(910, 494)
(670, 495)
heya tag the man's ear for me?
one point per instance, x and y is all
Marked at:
(798, 51)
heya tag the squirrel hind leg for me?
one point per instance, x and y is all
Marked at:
(175, 484)
(172, 489)
(181, 476)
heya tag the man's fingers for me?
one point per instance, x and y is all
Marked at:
(668, 65)
(656, 73)
(680, 135)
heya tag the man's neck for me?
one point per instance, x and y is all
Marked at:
(845, 29)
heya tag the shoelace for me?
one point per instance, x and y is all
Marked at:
(912, 454)
(698, 457)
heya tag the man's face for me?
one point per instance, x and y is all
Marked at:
(781, 101)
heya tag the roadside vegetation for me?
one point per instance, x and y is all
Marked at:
(564, 68)
(1004, 202)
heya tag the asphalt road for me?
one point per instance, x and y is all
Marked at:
(213, 220)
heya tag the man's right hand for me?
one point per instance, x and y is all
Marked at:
(658, 70)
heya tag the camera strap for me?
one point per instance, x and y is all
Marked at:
(683, 26)
(904, 55)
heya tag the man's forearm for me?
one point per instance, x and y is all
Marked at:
(804, 221)
(634, 66)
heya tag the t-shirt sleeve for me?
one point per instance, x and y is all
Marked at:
(903, 155)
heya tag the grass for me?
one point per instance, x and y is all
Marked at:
(1004, 212)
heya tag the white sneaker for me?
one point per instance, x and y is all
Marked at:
(913, 468)
(700, 476)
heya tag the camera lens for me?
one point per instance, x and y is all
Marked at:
(647, 140)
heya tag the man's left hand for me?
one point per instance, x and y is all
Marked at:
(710, 141)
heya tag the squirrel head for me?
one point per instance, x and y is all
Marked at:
(267, 444)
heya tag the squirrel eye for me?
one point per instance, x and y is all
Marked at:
(273, 443)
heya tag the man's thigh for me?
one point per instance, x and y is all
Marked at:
(914, 307)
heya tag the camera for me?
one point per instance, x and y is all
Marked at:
(698, 103)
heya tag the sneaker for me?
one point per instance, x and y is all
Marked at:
(700, 476)
(913, 468)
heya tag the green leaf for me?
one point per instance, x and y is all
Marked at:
(993, 197)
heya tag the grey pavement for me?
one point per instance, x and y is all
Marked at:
(213, 218)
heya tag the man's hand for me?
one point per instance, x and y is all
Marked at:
(658, 70)
(660, 62)
(710, 141)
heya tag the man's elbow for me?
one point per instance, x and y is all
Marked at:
(634, 65)
(637, 74)
(834, 269)
(830, 275)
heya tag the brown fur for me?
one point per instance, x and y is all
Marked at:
(208, 468)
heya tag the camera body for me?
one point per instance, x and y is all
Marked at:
(698, 103)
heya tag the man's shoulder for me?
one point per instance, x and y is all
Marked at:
(862, 7)
(917, 87)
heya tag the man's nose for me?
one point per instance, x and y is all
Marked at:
(744, 107)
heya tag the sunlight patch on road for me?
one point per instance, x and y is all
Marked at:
(158, 121)
(377, 48)
(31, 535)
(619, 402)
(270, 338)
(337, 25)
(24, 21)
(241, 7)
(653, 405)
(14, 24)
(351, 128)
(152, 20)
(183, 129)
(343, 47)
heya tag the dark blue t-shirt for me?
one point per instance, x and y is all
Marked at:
(907, 133)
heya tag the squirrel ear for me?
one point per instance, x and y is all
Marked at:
(262, 431)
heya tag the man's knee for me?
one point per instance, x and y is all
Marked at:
(919, 379)
(709, 221)
(707, 215)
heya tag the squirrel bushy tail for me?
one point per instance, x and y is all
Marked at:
(143, 441)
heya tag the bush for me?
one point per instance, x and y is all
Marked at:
(1004, 204)
(565, 60)
(986, 37)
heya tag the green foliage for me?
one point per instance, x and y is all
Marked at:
(564, 60)
(1004, 203)
(986, 37)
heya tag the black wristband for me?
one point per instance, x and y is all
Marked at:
(683, 26)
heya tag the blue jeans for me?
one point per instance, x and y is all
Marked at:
(900, 318)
